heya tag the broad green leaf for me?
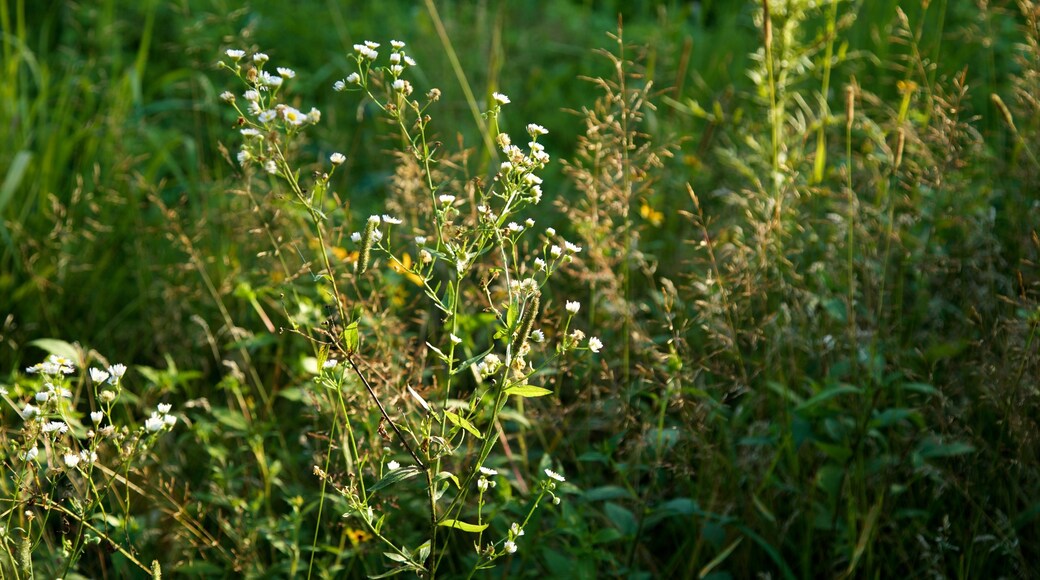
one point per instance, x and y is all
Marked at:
(231, 419)
(472, 528)
(828, 394)
(460, 422)
(397, 475)
(624, 519)
(606, 492)
(58, 347)
(14, 176)
(528, 391)
(932, 448)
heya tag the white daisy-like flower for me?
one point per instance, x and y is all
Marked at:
(446, 199)
(235, 53)
(96, 417)
(354, 78)
(227, 96)
(268, 116)
(52, 426)
(595, 344)
(420, 240)
(244, 157)
(532, 179)
(488, 471)
(260, 58)
(269, 79)
(169, 420)
(500, 98)
(270, 167)
(396, 70)
(573, 306)
(409, 61)
(251, 95)
(573, 248)
(250, 132)
(483, 484)
(355, 237)
(454, 339)
(339, 86)
(330, 364)
(553, 475)
(164, 407)
(550, 232)
(539, 264)
(71, 459)
(555, 251)
(397, 44)
(293, 116)
(516, 530)
(42, 397)
(313, 116)
(154, 423)
(515, 227)
(287, 73)
(371, 44)
(537, 336)
(395, 58)
(29, 411)
(510, 547)
(32, 453)
(337, 158)
(374, 219)
(535, 129)
(387, 219)
(392, 465)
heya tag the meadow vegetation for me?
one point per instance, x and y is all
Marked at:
(450, 289)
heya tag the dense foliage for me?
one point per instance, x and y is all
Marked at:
(760, 295)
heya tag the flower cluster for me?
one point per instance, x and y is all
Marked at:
(263, 116)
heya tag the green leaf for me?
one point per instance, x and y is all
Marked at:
(827, 395)
(397, 475)
(231, 419)
(472, 528)
(931, 448)
(719, 559)
(606, 492)
(14, 176)
(447, 476)
(528, 391)
(58, 347)
(351, 338)
(623, 519)
(471, 361)
(460, 422)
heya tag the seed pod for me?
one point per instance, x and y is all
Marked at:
(526, 324)
(369, 238)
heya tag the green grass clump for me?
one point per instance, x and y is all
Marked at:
(710, 290)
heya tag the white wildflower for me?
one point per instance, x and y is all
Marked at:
(287, 73)
(387, 219)
(510, 547)
(392, 465)
(573, 306)
(337, 158)
(595, 344)
(235, 54)
(535, 129)
(553, 475)
(96, 417)
(71, 459)
(260, 58)
(500, 98)
(354, 78)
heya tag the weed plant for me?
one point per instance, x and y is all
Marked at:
(753, 291)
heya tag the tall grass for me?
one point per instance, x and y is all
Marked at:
(808, 247)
